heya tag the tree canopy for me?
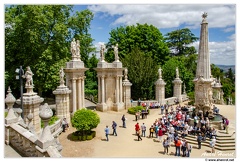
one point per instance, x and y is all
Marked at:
(179, 42)
(39, 36)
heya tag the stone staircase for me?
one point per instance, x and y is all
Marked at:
(224, 142)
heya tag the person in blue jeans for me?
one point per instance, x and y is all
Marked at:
(107, 132)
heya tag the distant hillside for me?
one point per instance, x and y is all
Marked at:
(226, 67)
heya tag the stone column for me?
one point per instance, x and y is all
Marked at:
(62, 102)
(74, 94)
(120, 85)
(83, 93)
(31, 104)
(79, 93)
(99, 90)
(177, 90)
(127, 93)
(117, 90)
(103, 90)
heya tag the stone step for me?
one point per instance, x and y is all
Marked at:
(217, 147)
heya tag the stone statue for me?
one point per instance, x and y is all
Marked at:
(78, 48)
(73, 47)
(177, 73)
(28, 75)
(61, 75)
(160, 73)
(102, 52)
(116, 52)
(125, 73)
(204, 15)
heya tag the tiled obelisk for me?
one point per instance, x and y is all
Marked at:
(203, 79)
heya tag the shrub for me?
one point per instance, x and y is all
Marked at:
(84, 120)
(135, 109)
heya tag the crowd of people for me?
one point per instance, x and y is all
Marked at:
(174, 125)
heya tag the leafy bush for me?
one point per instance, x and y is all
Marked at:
(84, 120)
(135, 109)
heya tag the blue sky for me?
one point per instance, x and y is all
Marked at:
(170, 17)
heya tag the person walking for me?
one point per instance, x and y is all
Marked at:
(178, 144)
(137, 128)
(138, 134)
(124, 121)
(189, 149)
(143, 128)
(212, 144)
(160, 134)
(165, 146)
(199, 140)
(107, 132)
(226, 125)
(114, 127)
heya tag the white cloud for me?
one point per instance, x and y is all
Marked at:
(229, 29)
(169, 15)
(221, 53)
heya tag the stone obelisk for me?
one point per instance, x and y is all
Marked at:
(203, 79)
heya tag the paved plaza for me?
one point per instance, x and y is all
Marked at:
(126, 144)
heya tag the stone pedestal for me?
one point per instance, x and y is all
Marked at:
(160, 91)
(177, 89)
(31, 104)
(62, 94)
(75, 81)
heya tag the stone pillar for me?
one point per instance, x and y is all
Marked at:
(31, 104)
(127, 93)
(62, 102)
(103, 90)
(120, 93)
(117, 90)
(11, 117)
(79, 92)
(177, 90)
(99, 90)
(74, 87)
(160, 88)
(83, 94)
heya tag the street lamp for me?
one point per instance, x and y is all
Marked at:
(20, 73)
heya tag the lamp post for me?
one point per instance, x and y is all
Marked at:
(19, 76)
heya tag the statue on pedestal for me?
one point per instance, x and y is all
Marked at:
(125, 73)
(28, 75)
(177, 73)
(160, 73)
(102, 52)
(116, 52)
(61, 72)
(78, 48)
(74, 47)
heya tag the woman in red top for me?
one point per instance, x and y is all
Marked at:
(160, 134)
(137, 127)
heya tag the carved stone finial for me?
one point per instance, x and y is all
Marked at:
(10, 99)
(116, 52)
(177, 73)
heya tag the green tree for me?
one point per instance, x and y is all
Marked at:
(169, 74)
(85, 120)
(39, 36)
(142, 73)
(229, 74)
(179, 42)
(146, 37)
